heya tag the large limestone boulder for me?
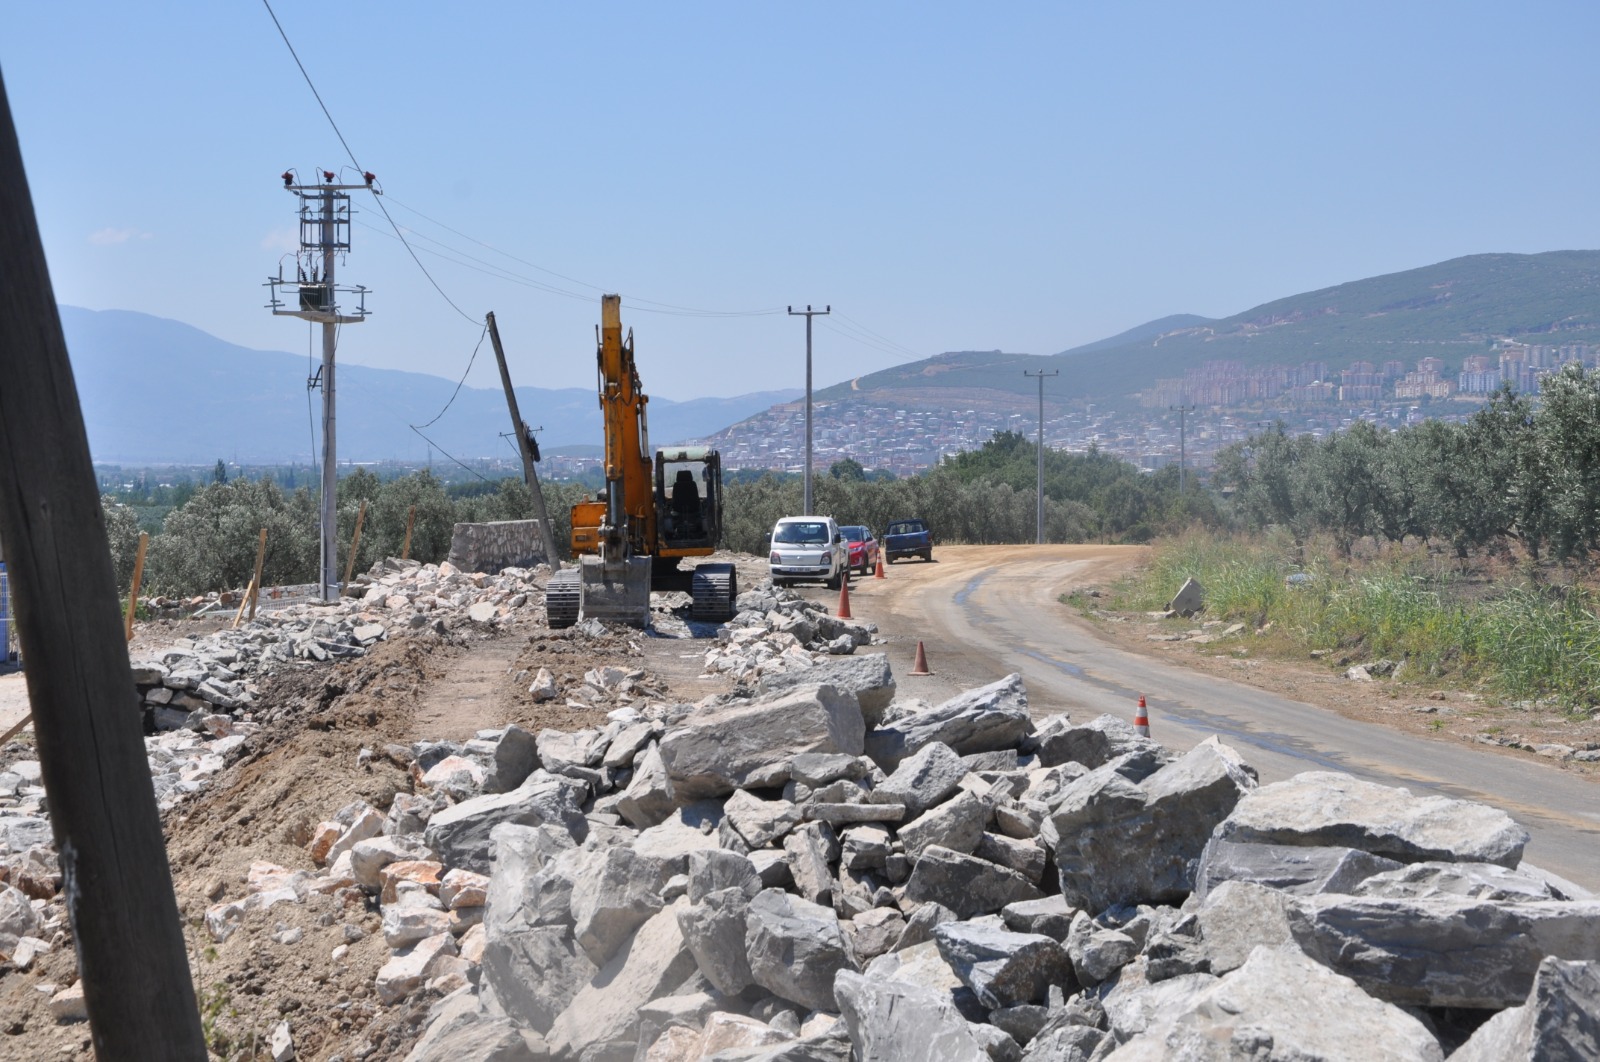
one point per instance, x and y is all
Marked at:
(1333, 809)
(979, 720)
(965, 884)
(606, 1010)
(1281, 1006)
(1473, 881)
(1117, 841)
(1443, 952)
(459, 835)
(1092, 744)
(649, 798)
(614, 899)
(1560, 1022)
(1300, 869)
(1003, 968)
(892, 1021)
(714, 929)
(533, 968)
(795, 947)
(717, 751)
(868, 676)
(459, 1029)
(926, 778)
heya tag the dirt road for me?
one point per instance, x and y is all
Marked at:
(985, 611)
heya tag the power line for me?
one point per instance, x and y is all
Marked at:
(637, 303)
(451, 456)
(377, 195)
(459, 382)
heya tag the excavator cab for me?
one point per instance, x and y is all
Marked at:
(688, 501)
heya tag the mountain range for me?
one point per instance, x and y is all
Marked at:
(160, 391)
(157, 391)
(1448, 310)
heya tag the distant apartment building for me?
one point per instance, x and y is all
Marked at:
(1361, 382)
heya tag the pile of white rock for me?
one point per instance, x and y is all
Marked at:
(777, 630)
(821, 871)
(214, 673)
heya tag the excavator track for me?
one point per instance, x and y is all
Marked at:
(563, 596)
(714, 589)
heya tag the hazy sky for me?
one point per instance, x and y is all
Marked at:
(1022, 176)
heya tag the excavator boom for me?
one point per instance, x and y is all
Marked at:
(631, 537)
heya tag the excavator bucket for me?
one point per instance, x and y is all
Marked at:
(618, 592)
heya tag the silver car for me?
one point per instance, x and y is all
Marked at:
(808, 548)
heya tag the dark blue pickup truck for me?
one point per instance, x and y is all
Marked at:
(907, 538)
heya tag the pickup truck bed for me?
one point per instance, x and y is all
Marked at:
(907, 538)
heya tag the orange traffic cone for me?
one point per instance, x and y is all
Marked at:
(1141, 721)
(844, 596)
(879, 573)
(921, 666)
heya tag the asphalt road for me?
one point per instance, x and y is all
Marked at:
(983, 612)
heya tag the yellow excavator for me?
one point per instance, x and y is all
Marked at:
(633, 537)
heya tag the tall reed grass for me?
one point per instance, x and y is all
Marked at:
(1516, 640)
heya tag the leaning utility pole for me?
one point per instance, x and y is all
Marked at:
(808, 313)
(324, 235)
(1041, 374)
(1182, 443)
(527, 448)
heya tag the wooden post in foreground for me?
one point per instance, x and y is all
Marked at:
(138, 574)
(355, 543)
(405, 551)
(125, 924)
(255, 584)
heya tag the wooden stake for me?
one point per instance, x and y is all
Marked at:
(131, 957)
(405, 551)
(138, 575)
(255, 584)
(355, 543)
(243, 604)
(14, 731)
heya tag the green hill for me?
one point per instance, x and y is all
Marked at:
(1448, 310)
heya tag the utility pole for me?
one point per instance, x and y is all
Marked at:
(1041, 374)
(324, 235)
(808, 313)
(1182, 443)
(527, 448)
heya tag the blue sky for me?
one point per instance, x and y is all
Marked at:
(1022, 176)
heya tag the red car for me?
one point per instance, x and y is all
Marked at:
(863, 548)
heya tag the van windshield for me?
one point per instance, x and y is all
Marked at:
(801, 534)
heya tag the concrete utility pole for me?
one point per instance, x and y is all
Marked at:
(808, 313)
(1041, 374)
(525, 447)
(1182, 442)
(324, 235)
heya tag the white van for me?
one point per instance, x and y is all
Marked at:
(808, 548)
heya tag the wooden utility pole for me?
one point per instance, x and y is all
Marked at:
(411, 518)
(530, 475)
(125, 924)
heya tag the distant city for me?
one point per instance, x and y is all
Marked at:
(1223, 402)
